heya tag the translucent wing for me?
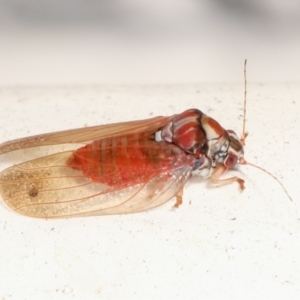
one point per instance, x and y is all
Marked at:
(48, 188)
(87, 134)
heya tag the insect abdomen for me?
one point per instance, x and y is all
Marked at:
(120, 161)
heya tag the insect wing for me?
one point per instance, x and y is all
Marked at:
(87, 134)
(46, 187)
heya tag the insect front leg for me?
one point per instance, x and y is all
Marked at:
(219, 171)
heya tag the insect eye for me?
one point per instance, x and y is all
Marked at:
(230, 161)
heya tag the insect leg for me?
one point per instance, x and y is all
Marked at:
(179, 196)
(219, 171)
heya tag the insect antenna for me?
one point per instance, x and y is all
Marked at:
(258, 167)
(244, 133)
(242, 161)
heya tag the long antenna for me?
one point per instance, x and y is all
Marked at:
(244, 134)
(255, 166)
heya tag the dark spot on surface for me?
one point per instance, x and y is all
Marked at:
(33, 192)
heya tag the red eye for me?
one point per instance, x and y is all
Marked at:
(230, 161)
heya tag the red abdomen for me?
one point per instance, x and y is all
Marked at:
(123, 161)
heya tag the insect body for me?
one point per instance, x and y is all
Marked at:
(123, 168)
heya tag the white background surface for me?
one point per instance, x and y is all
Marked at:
(221, 243)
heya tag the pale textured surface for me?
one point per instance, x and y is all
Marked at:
(220, 244)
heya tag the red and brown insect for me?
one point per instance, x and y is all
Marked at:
(127, 167)
(123, 167)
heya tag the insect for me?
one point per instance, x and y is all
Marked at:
(122, 168)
